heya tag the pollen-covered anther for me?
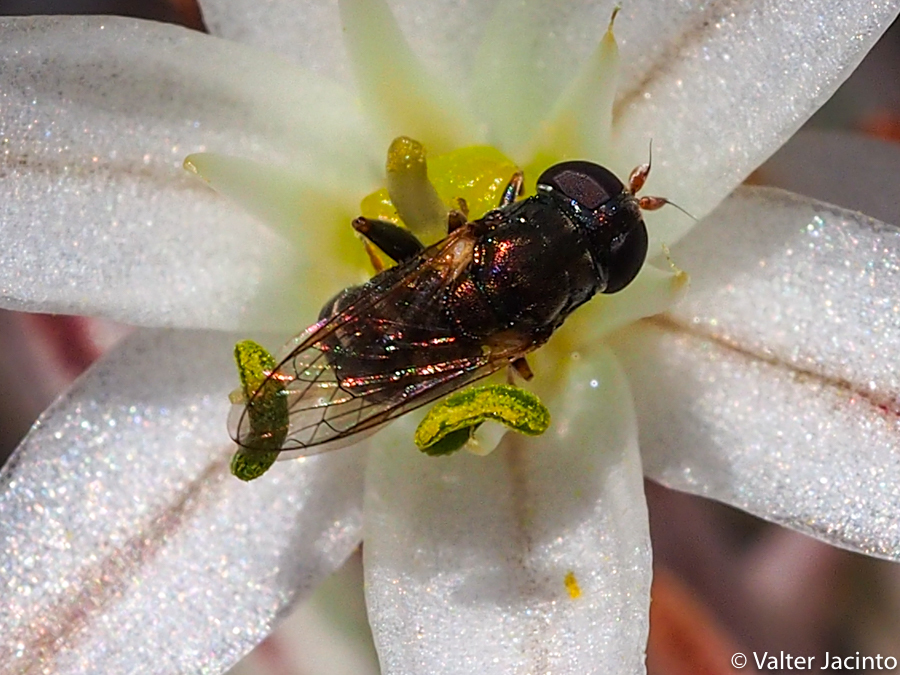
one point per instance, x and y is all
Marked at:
(452, 423)
(415, 198)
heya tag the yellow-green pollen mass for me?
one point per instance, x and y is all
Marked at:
(451, 423)
(267, 410)
(419, 194)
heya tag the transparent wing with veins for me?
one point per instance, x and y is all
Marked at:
(388, 350)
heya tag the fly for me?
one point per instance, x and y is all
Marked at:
(446, 315)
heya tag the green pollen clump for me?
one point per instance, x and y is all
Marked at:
(450, 424)
(266, 411)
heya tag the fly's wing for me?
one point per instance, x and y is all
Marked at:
(389, 350)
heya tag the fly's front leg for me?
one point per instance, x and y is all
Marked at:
(396, 242)
(513, 189)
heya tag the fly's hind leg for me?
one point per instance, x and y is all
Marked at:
(520, 365)
(396, 242)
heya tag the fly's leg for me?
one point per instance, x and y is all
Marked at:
(520, 365)
(455, 220)
(513, 189)
(458, 216)
(377, 263)
(394, 241)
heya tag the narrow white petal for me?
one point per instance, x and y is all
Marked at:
(774, 386)
(467, 558)
(506, 88)
(720, 86)
(580, 123)
(529, 91)
(396, 86)
(308, 212)
(444, 33)
(127, 546)
(653, 291)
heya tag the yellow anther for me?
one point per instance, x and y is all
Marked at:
(413, 195)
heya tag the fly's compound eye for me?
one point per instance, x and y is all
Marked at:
(627, 253)
(588, 184)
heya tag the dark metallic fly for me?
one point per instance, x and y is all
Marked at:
(493, 290)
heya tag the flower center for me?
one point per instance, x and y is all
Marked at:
(420, 196)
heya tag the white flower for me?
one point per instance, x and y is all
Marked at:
(128, 548)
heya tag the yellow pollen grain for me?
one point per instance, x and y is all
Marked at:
(572, 585)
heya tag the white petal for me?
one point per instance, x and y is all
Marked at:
(146, 94)
(507, 88)
(652, 292)
(96, 212)
(445, 33)
(580, 123)
(326, 635)
(522, 87)
(721, 87)
(307, 32)
(144, 252)
(127, 547)
(774, 386)
(467, 557)
(311, 214)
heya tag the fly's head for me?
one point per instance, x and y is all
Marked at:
(607, 213)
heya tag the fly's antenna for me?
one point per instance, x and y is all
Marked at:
(636, 181)
(654, 203)
(638, 176)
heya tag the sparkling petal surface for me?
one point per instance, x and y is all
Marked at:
(726, 85)
(303, 31)
(97, 214)
(118, 518)
(167, 253)
(150, 93)
(774, 386)
(467, 558)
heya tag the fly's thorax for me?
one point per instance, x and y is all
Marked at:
(530, 265)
